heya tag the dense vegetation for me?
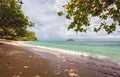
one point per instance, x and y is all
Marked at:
(13, 22)
(79, 12)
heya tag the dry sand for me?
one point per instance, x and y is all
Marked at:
(26, 61)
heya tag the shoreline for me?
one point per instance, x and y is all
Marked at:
(63, 65)
(58, 52)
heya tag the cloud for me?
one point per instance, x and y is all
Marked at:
(49, 26)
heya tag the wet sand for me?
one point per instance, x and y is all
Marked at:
(27, 61)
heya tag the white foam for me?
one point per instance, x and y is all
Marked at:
(78, 53)
(69, 52)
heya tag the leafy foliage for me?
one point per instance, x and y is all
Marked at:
(60, 13)
(13, 22)
(27, 36)
(80, 10)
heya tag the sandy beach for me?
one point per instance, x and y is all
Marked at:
(19, 60)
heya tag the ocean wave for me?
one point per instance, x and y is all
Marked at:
(78, 53)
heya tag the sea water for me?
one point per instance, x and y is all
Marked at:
(110, 49)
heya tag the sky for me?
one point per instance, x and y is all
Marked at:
(49, 26)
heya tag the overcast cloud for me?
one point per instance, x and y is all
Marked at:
(49, 26)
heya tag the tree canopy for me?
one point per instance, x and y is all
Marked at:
(80, 10)
(13, 22)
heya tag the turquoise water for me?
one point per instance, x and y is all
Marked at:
(110, 49)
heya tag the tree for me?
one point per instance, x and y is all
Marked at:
(26, 35)
(13, 22)
(80, 10)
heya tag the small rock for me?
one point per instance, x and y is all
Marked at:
(30, 56)
(46, 72)
(25, 66)
(37, 76)
(20, 72)
(16, 76)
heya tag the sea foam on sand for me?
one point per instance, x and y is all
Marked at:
(68, 52)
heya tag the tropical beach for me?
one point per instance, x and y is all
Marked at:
(21, 60)
(59, 38)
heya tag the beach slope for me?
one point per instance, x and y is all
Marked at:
(21, 61)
